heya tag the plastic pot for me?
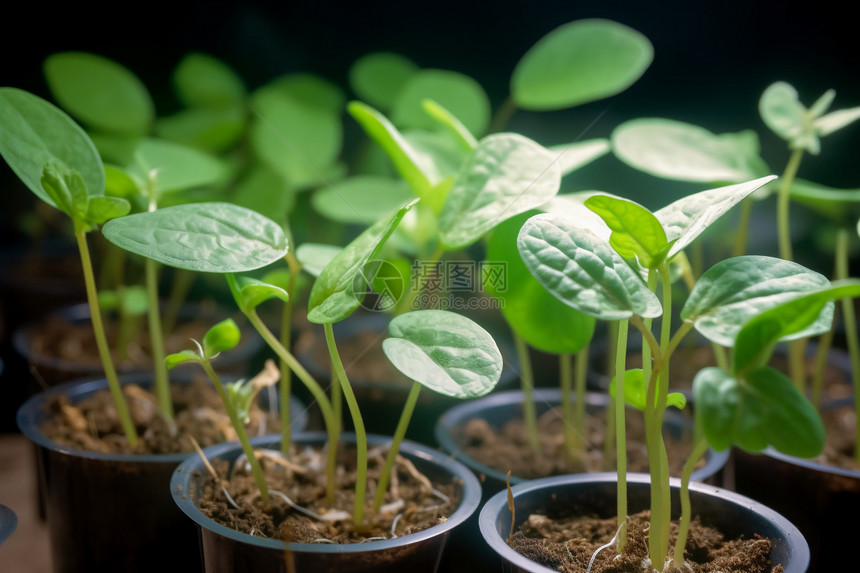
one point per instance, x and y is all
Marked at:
(733, 514)
(52, 370)
(499, 407)
(8, 523)
(228, 550)
(819, 499)
(380, 389)
(110, 512)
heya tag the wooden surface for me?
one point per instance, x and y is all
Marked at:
(28, 549)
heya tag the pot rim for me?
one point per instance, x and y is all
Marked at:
(250, 344)
(499, 502)
(462, 412)
(30, 414)
(469, 502)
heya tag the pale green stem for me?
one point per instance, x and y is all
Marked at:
(180, 286)
(156, 337)
(621, 433)
(699, 450)
(825, 343)
(394, 448)
(571, 435)
(849, 322)
(319, 395)
(286, 386)
(357, 422)
(581, 382)
(743, 227)
(527, 385)
(101, 339)
(783, 204)
(247, 448)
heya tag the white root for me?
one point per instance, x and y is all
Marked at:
(612, 542)
(276, 456)
(392, 507)
(394, 524)
(334, 515)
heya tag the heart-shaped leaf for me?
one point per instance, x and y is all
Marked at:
(507, 174)
(583, 271)
(333, 296)
(207, 237)
(688, 217)
(579, 62)
(765, 409)
(736, 290)
(445, 352)
(34, 132)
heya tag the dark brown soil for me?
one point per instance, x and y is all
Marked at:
(93, 425)
(567, 543)
(412, 504)
(507, 448)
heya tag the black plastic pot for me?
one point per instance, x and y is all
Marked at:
(734, 515)
(228, 550)
(52, 370)
(381, 400)
(8, 523)
(820, 500)
(500, 407)
(110, 512)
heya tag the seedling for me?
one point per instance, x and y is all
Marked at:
(605, 279)
(58, 162)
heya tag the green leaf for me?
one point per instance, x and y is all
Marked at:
(735, 290)
(456, 92)
(118, 183)
(297, 139)
(413, 167)
(34, 132)
(636, 392)
(174, 167)
(333, 296)
(206, 128)
(571, 206)
(572, 156)
(764, 410)
(221, 337)
(462, 135)
(100, 92)
(583, 271)
(207, 237)
(378, 77)
(309, 90)
(67, 191)
(543, 321)
(315, 257)
(360, 199)
(782, 112)
(103, 209)
(685, 152)
(636, 232)
(688, 217)
(579, 62)
(445, 352)
(836, 204)
(181, 357)
(249, 292)
(266, 192)
(204, 81)
(505, 175)
(757, 337)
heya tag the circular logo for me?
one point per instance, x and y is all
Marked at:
(378, 286)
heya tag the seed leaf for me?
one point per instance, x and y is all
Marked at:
(445, 352)
(636, 232)
(208, 237)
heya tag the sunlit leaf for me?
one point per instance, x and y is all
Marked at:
(458, 93)
(378, 77)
